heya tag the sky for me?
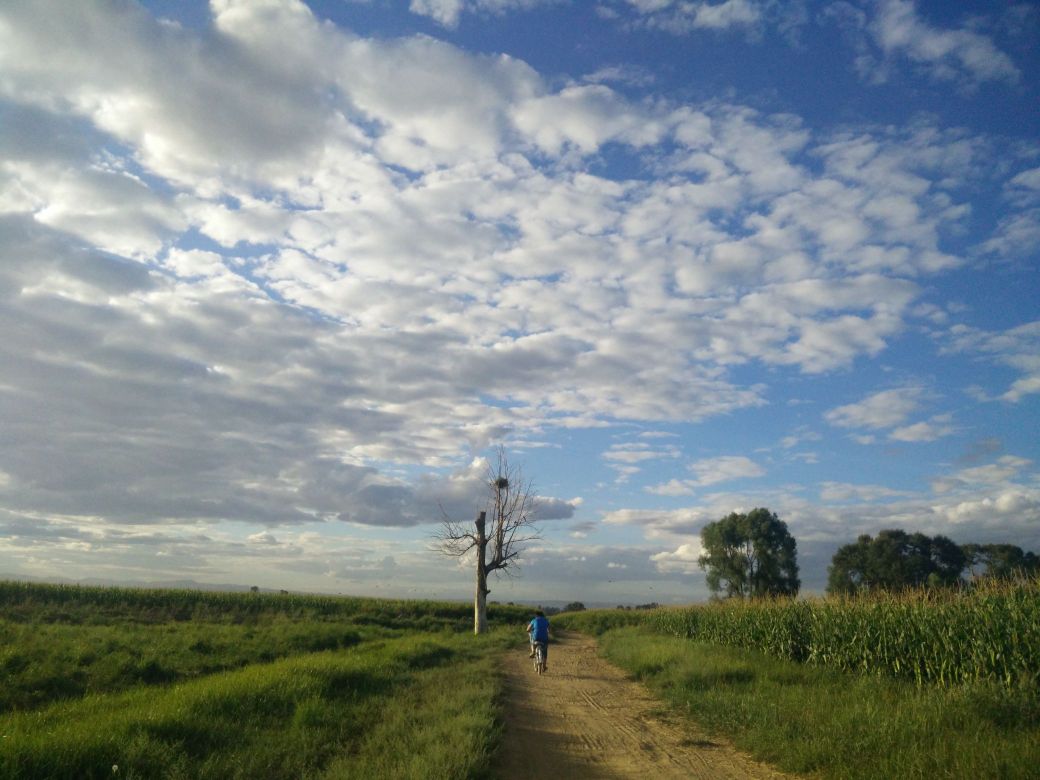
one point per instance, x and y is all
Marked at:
(277, 279)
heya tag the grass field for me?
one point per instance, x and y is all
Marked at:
(103, 682)
(919, 685)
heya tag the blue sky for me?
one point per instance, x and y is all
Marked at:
(276, 279)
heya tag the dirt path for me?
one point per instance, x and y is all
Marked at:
(585, 719)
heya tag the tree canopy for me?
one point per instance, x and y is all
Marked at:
(894, 560)
(999, 561)
(750, 555)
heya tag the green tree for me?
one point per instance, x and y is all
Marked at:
(895, 560)
(999, 561)
(750, 555)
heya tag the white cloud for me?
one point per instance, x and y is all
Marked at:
(673, 487)
(444, 11)
(838, 492)
(586, 117)
(194, 262)
(683, 559)
(798, 437)
(991, 511)
(1028, 179)
(284, 290)
(1018, 348)
(263, 538)
(631, 453)
(710, 471)
(683, 17)
(936, 428)
(448, 12)
(1016, 237)
(1000, 473)
(885, 409)
(662, 523)
(945, 54)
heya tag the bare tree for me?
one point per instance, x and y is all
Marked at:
(498, 543)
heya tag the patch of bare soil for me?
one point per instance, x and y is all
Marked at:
(585, 719)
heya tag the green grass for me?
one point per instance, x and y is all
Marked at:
(181, 684)
(441, 726)
(81, 604)
(49, 662)
(62, 642)
(328, 714)
(834, 724)
(597, 621)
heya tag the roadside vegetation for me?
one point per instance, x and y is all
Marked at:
(927, 683)
(832, 724)
(106, 682)
(990, 632)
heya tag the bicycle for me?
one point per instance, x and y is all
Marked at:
(539, 657)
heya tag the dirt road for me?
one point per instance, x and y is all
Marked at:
(585, 719)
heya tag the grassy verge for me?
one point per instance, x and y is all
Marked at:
(331, 714)
(834, 724)
(39, 603)
(60, 642)
(444, 725)
(42, 663)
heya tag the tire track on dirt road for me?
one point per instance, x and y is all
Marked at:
(585, 719)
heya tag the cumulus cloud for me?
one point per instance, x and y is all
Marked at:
(1027, 180)
(309, 289)
(724, 468)
(884, 409)
(683, 559)
(1017, 348)
(889, 33)
(667, 524)
(1016, 237)
(673, 487)
(448, 12)
(800, 436)
(930, 430)
(945, 54)
(683, 17)
(710, 471)
(1000, 473)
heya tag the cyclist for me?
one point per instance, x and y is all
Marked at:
(538, 632)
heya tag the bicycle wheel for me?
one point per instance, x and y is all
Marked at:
(539, 658)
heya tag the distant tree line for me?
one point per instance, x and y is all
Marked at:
(753, 555)
(651, 605)
(894, 560)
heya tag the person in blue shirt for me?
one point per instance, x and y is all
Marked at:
(538, 631)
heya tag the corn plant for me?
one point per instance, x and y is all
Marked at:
(990, 632)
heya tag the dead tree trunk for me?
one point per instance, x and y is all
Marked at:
(512, 507)
(480, 597)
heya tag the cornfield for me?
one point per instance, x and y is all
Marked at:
(990, 632)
